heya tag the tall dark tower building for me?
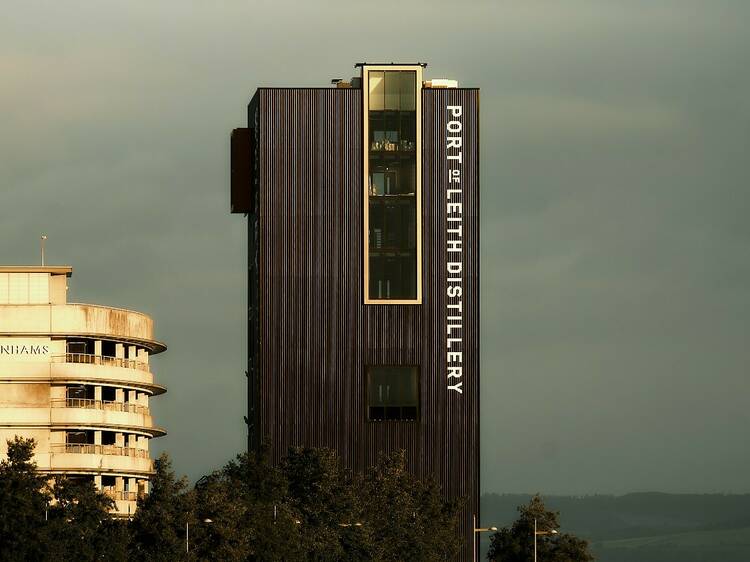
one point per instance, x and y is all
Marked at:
(362, 202)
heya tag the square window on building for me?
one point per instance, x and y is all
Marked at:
(76, 392)
(80, 437)
(392, 392)
(77, 347)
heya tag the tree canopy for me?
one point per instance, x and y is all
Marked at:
(308, 508)
(311, 508)
(516, 543)
(23, 501)
(42, 521)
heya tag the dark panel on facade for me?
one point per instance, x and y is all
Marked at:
(316, 337)
(241, 170)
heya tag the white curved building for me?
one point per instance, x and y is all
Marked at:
(76, 378)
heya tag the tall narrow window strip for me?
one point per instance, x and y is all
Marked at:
(392, 180)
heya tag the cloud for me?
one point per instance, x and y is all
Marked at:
(614, 223)
(536, 117)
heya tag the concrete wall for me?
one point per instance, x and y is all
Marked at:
(79, 319)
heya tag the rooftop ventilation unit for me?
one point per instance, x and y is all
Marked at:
(441, 83)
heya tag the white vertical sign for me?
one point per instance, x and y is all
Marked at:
(454, 249)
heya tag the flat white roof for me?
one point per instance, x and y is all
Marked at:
(53, 269)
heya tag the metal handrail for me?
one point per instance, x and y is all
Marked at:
(90, 359)
(92, 449)
(92, 404)
(121, 495)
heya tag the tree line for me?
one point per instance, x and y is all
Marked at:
(309, 508)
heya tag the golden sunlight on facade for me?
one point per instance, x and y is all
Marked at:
(76, 378)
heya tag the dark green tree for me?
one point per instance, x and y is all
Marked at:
(516, 543)
(79, 524)
(250, 517)
(23, 501)
(310, 508)
(115, 533)
(326, 497)
(313, 509)
(158, 529)
(409, 518)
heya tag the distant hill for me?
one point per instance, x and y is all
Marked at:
(729, 545)
(645, 527)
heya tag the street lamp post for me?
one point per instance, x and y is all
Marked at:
(479, 530)
(187, 534)
(536, 533)
(42, 239)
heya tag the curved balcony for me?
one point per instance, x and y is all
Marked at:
(100, 458)
(89, 359)
(121, 495)
(103, 413)
(108, 405)
(91, 449)
(125, 508)
(71, 367)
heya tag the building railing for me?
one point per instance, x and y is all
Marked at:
(91, 449)
(121, 495)
(108, 405)
(90, 359)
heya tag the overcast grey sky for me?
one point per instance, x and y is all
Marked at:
(615, 232)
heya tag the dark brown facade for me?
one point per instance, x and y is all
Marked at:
(311, 336)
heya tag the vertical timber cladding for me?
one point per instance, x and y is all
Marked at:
(253, 356)
(315, 334)
(310, 255)
(450, 136)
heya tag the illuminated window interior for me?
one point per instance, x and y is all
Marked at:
(392, 148)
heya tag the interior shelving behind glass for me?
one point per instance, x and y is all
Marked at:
(393, 253)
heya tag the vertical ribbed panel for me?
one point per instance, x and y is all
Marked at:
(454, 433)
(315, 333)
(311, 338)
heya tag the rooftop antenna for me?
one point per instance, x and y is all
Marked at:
(41, 240)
